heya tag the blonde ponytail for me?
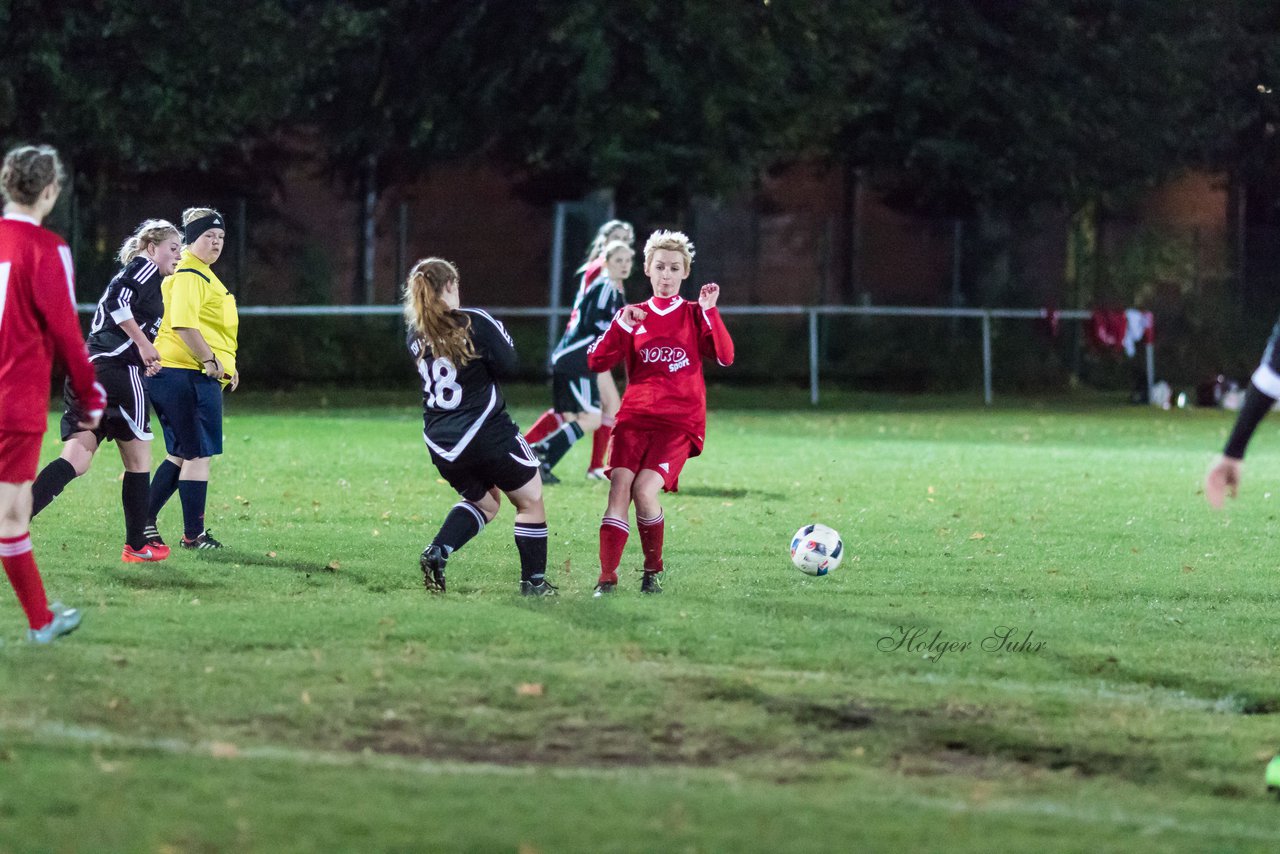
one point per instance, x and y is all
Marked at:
(149, 233)
(447, 332)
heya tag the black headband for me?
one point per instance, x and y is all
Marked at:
(191, 231)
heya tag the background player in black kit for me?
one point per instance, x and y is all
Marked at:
(461, 354)
(122, 351)
(575, 390)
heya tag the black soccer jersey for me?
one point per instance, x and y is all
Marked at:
(457, 402)
(134, 294)
(593, 311)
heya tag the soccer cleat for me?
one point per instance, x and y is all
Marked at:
(204, 540)
(432, 562)
(547, 477)
(604, 588)
(650, 583)
(152, 535)
(65, 621)
(537, 588)
(597, 474)
(148, 553)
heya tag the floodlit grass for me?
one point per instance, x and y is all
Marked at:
(301, 691)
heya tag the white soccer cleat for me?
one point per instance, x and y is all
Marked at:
(65, 621)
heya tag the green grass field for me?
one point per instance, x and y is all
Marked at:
(300, 691)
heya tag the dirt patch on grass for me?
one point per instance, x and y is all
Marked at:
(837, 715)
(983, 757)
(607, 745)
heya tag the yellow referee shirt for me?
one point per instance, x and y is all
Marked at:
(194, 298)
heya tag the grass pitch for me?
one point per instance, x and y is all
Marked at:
(1040, 639)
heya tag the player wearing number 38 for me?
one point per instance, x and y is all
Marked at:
(461, 354)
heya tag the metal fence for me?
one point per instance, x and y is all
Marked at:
(555, 315)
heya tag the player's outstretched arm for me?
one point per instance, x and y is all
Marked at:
(610, 348)
(1223, 480)
(714, 340)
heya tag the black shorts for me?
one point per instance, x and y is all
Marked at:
(126, 416)
(497, 456)
(575, 393)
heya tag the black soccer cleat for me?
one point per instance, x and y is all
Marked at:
(537, 588)
(432, 563)
(203, 540)
(650, 583)
(605, 588)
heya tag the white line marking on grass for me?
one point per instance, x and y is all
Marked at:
(1146, 822)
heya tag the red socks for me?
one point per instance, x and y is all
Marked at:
(547, 423)
(600, 442)
(651, 541)
(20, 566)
(613, 539)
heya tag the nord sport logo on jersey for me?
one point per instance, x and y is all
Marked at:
(674, 357)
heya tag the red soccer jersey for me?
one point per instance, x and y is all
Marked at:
(663, 357)
(38, 322)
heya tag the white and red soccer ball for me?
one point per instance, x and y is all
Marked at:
(816, 549)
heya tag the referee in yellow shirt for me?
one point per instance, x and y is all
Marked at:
(197, 345)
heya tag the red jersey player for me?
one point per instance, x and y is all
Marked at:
(663, 418)
(37, 322)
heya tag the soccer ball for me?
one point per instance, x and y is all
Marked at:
(816, 549)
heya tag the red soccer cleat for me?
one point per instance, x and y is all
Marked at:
(147, 554)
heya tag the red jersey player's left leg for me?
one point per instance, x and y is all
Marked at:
(664, 458)
(649, 521)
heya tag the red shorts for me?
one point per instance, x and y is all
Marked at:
(19, 456)
(659, 450)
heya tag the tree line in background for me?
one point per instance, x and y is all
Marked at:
(974, 108)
